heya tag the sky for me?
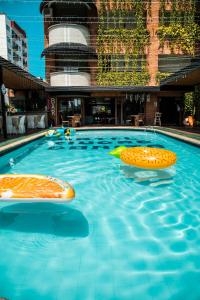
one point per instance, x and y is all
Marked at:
(26, 13)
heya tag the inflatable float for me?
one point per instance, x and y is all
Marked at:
(34, 188)
(61, 132)
(145, 157)
(53, 134)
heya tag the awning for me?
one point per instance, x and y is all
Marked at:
(185, 78)
(70, 49)
(16, 78)
(13, 77)
(88, 89)
(89, 3)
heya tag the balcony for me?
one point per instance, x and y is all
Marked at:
(70, 79)
(70, 50)
(69, 33)
(74, 19)
(47, 3)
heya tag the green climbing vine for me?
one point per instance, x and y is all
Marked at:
(196, 99)
(178, 26)
(189, 104)
(161, 76)
(123, 38)
(121, 42)
(192, 104)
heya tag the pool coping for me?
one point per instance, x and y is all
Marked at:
(23, 141)
(181, 137)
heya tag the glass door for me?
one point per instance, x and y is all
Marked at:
(69, 107)
(100, 111)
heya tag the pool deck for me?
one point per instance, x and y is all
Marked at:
(185, 136)
(11, 144)
(181, 134)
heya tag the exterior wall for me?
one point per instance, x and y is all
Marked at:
(70, 79)
(80, 34)
(19, 45)
(76, 33)
(69, 33)
(63, 32)
(13, 48)
(152, 52)
(93, 65)
(46, 44)
(3, 37)
(93, 29)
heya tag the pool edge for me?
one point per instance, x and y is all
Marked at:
(176, 136)
(17, 144)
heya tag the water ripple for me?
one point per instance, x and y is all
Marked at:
(129, 234)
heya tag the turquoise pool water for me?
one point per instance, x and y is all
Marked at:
(129, 234)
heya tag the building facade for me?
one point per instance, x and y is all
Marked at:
(13, 46)
(104, 59)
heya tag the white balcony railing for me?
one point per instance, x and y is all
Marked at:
(69, 33)
(70, 79)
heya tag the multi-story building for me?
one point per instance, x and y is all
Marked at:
(104, 59)
(13, 42)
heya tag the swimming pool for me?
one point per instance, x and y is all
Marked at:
(129, 234)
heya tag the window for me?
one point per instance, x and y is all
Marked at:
(116, 19)
(7, 28)
(113, 21)
(130, 20)
(70, 107)
(25, 54)
(136, 63)
(8, 40)
(16, 57)
(15, 47)
(117, 63)
(15, 36)
(71, 69)
(166, 18)
(25, 64)
(120, 64)
(106, 63)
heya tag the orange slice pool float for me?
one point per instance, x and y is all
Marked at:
(34, 188)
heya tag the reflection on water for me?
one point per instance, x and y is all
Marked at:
(149, 176)
(45, 218)
(143, 241)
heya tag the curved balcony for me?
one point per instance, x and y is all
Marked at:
(70, 49)
(69, 33)
(78, 20)
(70, 79)
(47, 3)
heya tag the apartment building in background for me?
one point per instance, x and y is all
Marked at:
(104, 59)
(13, 42)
